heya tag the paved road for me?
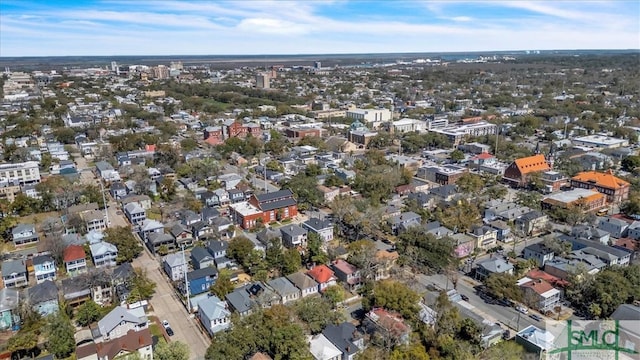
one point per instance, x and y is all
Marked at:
(167, 306)
(507, 316)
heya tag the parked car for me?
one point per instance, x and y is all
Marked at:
(165, 324)
(464, 297)
(169, 331)
(522, 309)
(536, 317)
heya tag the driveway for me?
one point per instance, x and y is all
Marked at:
(167, 306)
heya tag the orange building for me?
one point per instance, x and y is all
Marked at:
(615, 189)
(519, 172)
(588, 200)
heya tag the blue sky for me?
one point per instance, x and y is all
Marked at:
(184, 27)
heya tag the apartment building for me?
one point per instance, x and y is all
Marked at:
(25, 172)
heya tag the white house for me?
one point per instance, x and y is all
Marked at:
(214, 315)
(175, 266)
(103, 254)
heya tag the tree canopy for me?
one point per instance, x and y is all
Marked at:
(128, 246)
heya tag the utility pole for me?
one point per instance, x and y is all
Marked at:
(186, 281)
(104, 201)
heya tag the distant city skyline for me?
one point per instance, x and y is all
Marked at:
(120, 27)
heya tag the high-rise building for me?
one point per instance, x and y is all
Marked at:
(263, 81)
(160, 72)
(317, 65)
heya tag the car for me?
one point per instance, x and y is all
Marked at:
(165, 324)
(536, 317)
(464, 297)
(169, 331)
(522, 309)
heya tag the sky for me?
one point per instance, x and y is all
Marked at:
(252, 27)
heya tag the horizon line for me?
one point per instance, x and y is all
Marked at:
(334, 54)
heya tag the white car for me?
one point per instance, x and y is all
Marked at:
(522, 309)
(165, 323)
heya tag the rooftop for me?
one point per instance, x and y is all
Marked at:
(603, 179)
(533, 163)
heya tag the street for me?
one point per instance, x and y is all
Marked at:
(167, 306)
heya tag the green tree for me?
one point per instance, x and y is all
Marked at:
(460, 216)
(413, 351)
(457, 155)
(470, 183)
(88, 313)
(128, 246)
(335, 294)
(60, 340)
(503, 285)
(396, 296)
(504, 350)
(23, 342)
(291, 261)
(316, 313)
(529, 198)
(188, 145)
(142, 288)
(174, 350)
(239, 248)
(426, 252)
(273, 255)
(223, 284)
(630, 163)
(315, 253)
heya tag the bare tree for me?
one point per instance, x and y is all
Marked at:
(55, 246)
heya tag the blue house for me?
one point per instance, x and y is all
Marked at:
(201, 280)
(43, 298)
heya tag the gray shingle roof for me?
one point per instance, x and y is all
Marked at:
(282, 286)
(199, 254)
(42, 292)
(274, 195)
(13, 266)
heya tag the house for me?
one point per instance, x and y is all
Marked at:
(385, 261)
(157, 240)
(436, 229)
(202, 230)
(200, 258)
(388, 325)
(213, 315)
(76, 291)
(347, 273)
(589, 232)
(24, 234)
(293, 236)
(323, 276)
(118, 190)
(143, 200)
(540, 295)
(485, 236)
(322, 349)
(253, 295)
(503, 230)
(134, 344)
(285, 289)
(43, 298)
(121, 280)
(519, 173)
(182, 235)
(609, 255)
(94, 220)
(535, 340)
(106, 171)
(220, 225)
(464, 244)
(103, 254)
(444, 192)
(616, 227)
(422, 199)
(539, 252)
(323, 228)
(236, 196)
(346, 338)
(532, 223)
(75, 260)
(268, 235)
(584, 199)
(135, 213)
(14, 274)
(200, 280)
(44, 268)
(565, 268)
(305, 284)
(149, 226)
(328, 193)
(9, 309)
(615, 189)
(118, 322)
(492, 266)
(404, 221)
(175, 266)
(229, 181)
(634, 230)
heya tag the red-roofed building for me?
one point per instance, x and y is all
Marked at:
(518, 174)
(540, 295)
(536, 274)
(616, 189)
(75, 260)
(135, 341)
(324, 276)
(347, 273)
(390, 326)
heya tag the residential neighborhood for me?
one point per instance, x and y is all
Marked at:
(316, 211)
